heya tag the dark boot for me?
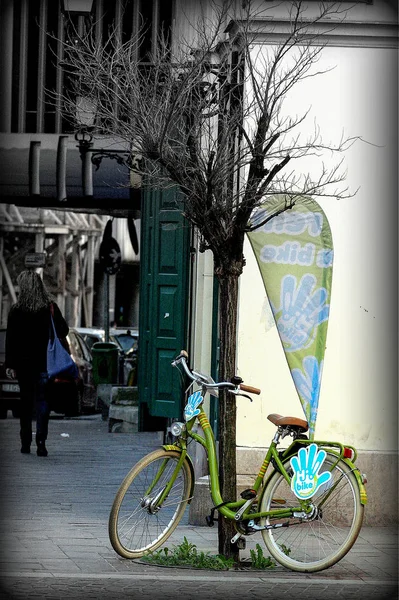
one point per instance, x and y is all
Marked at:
(41, 448)
(26, 441)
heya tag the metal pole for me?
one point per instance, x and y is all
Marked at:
(6, 39)
(1, 285)
(74, 283)
(61, 167)
(34, 168)
(87, 171)
(106, 307)
(90, 278)
(62, 300)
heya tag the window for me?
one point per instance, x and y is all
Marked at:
(38, 32)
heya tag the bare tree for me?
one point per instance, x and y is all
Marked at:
(208, 116)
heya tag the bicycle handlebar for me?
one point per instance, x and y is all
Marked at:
(249, 389)
(202, 380)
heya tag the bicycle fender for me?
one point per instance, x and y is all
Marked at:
(362, 488)
(167, 447)
(359, 479)
(357, 474)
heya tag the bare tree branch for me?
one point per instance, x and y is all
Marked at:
(210, 117)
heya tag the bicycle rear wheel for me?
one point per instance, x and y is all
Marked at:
(320, 541)
(137, 524)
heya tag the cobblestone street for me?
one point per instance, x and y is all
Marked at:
(55, 540)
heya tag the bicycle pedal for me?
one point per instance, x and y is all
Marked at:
(241, 543)
(210, 521)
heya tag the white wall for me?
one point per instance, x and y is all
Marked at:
(358, 402)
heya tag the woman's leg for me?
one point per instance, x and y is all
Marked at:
(42, 413)
(27, 387)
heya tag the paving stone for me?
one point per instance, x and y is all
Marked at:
(54, 532)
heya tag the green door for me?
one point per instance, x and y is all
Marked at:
(164, 272)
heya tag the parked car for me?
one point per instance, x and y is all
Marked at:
(9, 388)
(127, 341)
(73, 398)
(91, 335)
(126, 338)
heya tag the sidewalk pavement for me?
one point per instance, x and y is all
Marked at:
(54, 536)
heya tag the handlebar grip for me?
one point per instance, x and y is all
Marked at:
(183, 353)
(249, 389)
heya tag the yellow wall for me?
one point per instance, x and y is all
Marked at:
(358, 402)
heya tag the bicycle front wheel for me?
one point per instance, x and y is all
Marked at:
(322, 539)
(137, 522)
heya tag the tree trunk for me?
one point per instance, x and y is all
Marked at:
(228, 303)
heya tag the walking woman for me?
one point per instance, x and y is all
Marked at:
(26, 354)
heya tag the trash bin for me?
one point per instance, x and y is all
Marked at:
(105, 362)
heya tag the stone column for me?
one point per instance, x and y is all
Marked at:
(6, 31)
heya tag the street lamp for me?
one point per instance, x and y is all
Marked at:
(86, 110)
(86, 117)
(76, 7)
(94, 156)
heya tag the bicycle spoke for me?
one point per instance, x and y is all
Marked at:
(330, 530)
(137, 522)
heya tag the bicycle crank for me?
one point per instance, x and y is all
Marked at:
(239, 540)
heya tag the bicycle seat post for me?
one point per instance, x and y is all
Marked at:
(277, 436)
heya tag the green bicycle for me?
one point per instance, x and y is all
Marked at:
(309, 510)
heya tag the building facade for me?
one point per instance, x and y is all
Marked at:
(357, 94)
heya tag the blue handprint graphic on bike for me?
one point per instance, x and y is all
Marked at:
(302, 310)
(191, 409)
(306, 466)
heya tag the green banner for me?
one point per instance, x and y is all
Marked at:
(294, 251)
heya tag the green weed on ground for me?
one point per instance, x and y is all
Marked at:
(259, 561)
(186, 554)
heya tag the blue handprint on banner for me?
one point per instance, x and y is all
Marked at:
(308, 382)
(306, 466)
(191, 410)
(302, 310)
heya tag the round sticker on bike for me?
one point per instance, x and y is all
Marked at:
(306, 466)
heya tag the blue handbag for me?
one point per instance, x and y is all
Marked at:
(60, 364)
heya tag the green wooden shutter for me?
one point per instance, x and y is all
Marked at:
(164, 296)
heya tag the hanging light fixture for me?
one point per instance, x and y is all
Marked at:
(76, 7)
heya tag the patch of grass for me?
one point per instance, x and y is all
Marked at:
(259, 561)
(285, 549)
(187, 555)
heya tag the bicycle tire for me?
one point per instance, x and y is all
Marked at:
(313, 545)
(136, 529)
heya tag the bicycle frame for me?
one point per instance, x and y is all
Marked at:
(229, 509)
(242, 510)
(273, 456)
(287, 490)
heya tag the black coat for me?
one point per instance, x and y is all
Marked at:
(27, 338)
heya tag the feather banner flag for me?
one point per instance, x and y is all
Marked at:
(294, 251)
